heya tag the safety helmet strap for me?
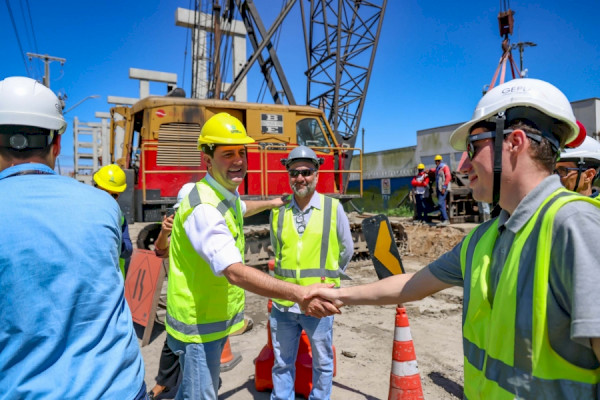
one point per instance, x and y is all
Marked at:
(498, 140)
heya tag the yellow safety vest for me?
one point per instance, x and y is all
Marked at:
(202, 307)
(507, 349)
(312, 257)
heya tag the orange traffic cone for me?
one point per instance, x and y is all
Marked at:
(405, 381)
(229, 359)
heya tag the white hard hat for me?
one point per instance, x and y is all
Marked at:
(184, 191)
(26, 102)
(588, 152)
(522, 93)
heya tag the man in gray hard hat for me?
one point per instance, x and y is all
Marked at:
(312, 243)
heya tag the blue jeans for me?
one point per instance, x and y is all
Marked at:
(421, 207)
(200, 365)
(286, 328)
(442, 203)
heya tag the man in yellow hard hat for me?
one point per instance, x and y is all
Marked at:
(207, 275)
(420, 184)
(111, 179)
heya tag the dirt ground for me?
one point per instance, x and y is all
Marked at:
(363, 335)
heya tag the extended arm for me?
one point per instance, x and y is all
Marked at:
(258, 282)
(161, 245)
(396, 289)
(256, 206)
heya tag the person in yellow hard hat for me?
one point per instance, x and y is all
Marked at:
(111, 179)
(207, 275)
(420, 184)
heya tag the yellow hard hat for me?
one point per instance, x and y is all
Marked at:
(111, 178)
(421, 166)
(438, 157)
(223, 128)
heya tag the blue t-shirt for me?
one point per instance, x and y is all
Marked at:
(65, 329)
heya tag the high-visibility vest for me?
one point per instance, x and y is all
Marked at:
(122, 260)
(202, 307)
(507, 351)
(312, 257)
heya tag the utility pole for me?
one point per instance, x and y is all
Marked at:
(521, 46)
(47, 60)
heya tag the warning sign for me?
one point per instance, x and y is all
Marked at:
(382, 246)
(140, 284)
(386, 186)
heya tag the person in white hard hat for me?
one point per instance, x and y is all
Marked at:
(531, 315)
(66, 330)
(578, 167)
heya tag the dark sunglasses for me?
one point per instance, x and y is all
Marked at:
(564, 171)
(304, 172)
(475, 138)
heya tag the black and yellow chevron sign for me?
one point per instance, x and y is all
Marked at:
(382, 246)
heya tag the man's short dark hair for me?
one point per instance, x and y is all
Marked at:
(542, 152)
(208, 149)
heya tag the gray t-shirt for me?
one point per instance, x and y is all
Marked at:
(574, 292)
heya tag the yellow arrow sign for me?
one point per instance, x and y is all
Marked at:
(382, 250)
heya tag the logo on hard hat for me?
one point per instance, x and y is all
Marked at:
(112, 179)
(515, 89)
(233, 129)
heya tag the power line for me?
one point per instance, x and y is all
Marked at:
(12, 19)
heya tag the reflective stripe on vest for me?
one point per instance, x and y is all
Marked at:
(506, 345)
(296, 257)
(202, 307)
(122, 260)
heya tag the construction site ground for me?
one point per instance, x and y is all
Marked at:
(363, 335)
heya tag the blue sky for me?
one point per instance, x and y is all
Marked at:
(433, 58)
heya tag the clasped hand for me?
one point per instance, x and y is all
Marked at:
(320, 300)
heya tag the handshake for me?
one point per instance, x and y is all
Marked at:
(320, 300)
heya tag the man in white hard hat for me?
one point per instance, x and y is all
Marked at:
(578, 167)
(312, 243)
(531, 315)
(66, 330)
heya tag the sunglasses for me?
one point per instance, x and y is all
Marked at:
(304, 172)
(564, 171)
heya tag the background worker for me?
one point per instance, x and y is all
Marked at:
(312, 244)
(578, 167)
(112, 180)
(66, 331)
(530, 274)
(168, 365)
(207, 275)
(420, 184)
(442, 180)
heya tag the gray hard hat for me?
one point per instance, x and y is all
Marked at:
(302, 153)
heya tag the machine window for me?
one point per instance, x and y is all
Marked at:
(309, 133)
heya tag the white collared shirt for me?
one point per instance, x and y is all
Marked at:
(209, 235)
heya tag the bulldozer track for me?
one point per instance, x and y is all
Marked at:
(258, 242)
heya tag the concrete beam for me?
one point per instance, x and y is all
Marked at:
(186, 18)
(128, 101)
(102, 115)
(154, 76)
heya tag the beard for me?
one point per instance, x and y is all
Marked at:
(304, 190)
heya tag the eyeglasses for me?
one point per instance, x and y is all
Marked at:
(471, 150)
(564, 171)
(304, 172)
